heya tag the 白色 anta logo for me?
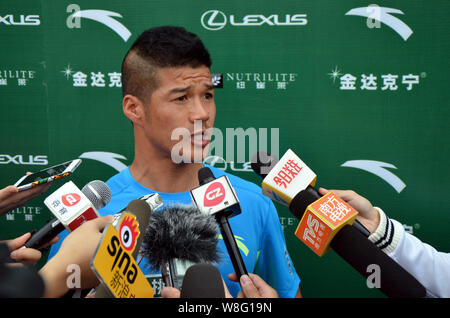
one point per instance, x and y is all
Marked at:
(104, 17)
(379, 169)
(376, 14)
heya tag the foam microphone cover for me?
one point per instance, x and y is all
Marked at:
(180, 232)
(359, 252)
(202, 281)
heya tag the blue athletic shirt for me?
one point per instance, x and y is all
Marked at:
(257, 230)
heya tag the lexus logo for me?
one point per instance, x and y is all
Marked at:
(213, 20)
(30, 20)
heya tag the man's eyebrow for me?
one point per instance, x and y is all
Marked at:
(180, 89)
(185, 89)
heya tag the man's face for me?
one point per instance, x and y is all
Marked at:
(184, 96)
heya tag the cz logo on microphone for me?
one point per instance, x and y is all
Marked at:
(70, 199)
(214, 195)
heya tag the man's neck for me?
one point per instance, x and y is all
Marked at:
(165, 175)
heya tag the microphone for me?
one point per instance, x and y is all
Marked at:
(177, 237)
(262, 163)
(217, 197)
(202, 281)
(291, 182)
(97, 192)
(71, 206)
(395, 282)
(141, 209)
(45, 234)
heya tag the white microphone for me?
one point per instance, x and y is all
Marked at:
(96, 191)
(72, 207)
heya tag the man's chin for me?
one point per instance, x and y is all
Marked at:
(194, 155)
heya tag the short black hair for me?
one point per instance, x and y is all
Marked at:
(165, 46)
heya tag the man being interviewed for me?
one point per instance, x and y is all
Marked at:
(166, 84)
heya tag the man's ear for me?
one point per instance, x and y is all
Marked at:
(133, 108)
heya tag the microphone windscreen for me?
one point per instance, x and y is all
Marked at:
(202, 281)
(180, 232)
(360, 253)
(205, 175)
(98, 193)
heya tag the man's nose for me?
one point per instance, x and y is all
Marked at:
(199, 111)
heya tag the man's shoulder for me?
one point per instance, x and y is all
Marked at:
(123, 190)
(120, 181)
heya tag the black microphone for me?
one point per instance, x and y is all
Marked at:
(349, 242)
(98, 194)
(177, 237)
(395, 282)
(202, 281)
(45, 234)
(217, 197)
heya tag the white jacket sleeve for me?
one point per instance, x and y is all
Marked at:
(430, 267)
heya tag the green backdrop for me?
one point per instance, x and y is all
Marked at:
(339, 87)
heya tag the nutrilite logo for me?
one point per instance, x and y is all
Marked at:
(260, 80)
(214, 20)
(19, 77)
